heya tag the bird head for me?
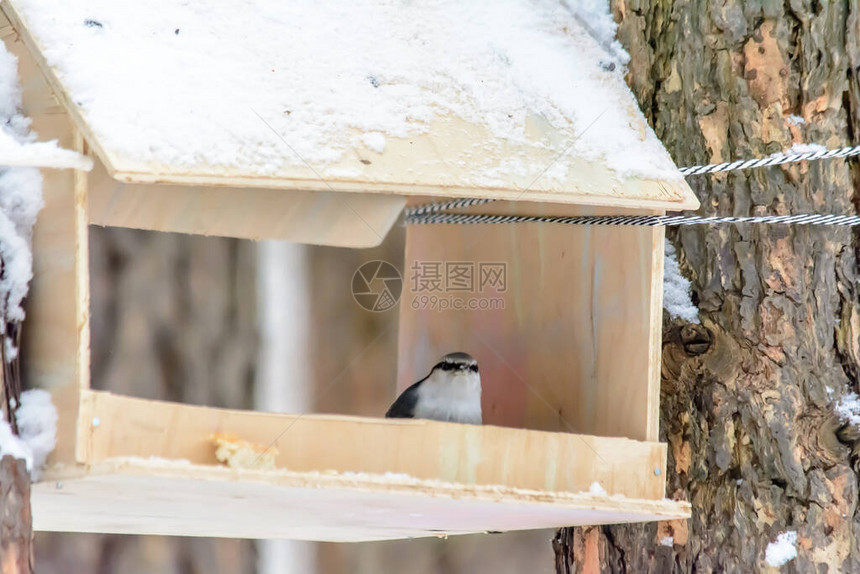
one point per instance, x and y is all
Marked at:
(457, 364)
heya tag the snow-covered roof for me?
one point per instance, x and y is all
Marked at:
(516, 99)
(18, 146)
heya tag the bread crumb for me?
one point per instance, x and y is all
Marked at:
(238, 453)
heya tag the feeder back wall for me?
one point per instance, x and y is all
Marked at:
(576, 346)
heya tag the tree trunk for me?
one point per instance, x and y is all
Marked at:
(747, 401)
(16, 524)
(16, 520)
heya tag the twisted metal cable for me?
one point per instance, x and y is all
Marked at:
(775, 159)
(647, 220)
(430, 213)
(445, 206)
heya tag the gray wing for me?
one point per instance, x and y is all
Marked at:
(404, 406)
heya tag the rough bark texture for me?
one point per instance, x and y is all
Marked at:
(16, 523)
(747, 402)
(16, 520)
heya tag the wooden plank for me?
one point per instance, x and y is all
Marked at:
(135, 496)
(467, 454)
(573, 344)
(317, 217)
(441, 163)
(82, 292)
(82, 271)
(51, 333)
(587, 185)
(655, 334)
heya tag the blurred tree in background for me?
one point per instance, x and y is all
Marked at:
(173, 318)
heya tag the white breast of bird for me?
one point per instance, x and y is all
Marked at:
(451, 397)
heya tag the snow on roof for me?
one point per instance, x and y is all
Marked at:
(18, 147)
(439, 97)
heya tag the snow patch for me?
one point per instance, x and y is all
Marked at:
(11, 444)
(806, 148)
(387, 477)
(18, 146)
(594, 16)
(800, 148)
(20, 201)
(317, 72)
(783, 550)
(14, 153)
(667, 541)
(677, 300)
(37, 426)
(374, 141)
(37, 431)
(596, 489)
(172, 462)
(796, 120)
(848, 408)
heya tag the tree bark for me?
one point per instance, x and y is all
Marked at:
(747, 401)
(16, 523)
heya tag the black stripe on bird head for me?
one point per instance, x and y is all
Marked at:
(453, 362)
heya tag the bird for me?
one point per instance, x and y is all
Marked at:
(451, 393)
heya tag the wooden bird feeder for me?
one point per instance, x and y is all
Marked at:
(571, 365)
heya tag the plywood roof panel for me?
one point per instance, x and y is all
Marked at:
(516, 101)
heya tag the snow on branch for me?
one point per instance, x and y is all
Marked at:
(14, 153)
(37, 431)
(18, 145)
(20, 202)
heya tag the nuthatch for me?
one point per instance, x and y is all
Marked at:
(451, 392)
